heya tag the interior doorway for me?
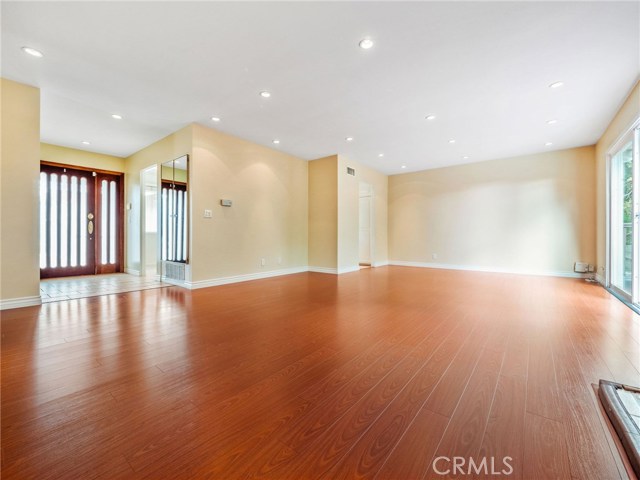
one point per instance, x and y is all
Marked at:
(365, 220)
(149, 182)
(81, 212)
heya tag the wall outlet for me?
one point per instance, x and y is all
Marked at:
(208, 214)
(434, 256)
(263, 262)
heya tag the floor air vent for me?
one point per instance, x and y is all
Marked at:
(174, 270)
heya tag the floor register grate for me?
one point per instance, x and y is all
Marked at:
(622, 404)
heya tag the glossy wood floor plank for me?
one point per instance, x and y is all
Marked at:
(463, 436)
(371, 374)
(545, 449)
(505, 432)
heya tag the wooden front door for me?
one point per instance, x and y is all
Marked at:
(80, 222)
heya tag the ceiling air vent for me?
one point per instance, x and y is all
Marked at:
(351, 171)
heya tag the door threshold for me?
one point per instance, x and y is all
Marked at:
(632, 306)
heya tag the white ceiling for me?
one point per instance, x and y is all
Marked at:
(483, 68)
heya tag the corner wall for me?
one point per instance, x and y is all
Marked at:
(19, 200)
(323, 214)
(268, 218)
(530, 214)
(349, 211)
(164, 150)
(334, 209)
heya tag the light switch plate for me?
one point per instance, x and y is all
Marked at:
(208, 214)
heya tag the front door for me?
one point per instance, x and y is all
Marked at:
(80, 223)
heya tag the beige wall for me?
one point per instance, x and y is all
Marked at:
(334, 213)
(323, 213)
(169, 148)
(19, 200)
(628, 113)
(527, 214)
(269, 215)
(348, 213)
(72, 156)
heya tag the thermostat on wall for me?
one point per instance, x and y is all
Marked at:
(225, 203)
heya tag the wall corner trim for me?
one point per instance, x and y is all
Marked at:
(472, 268)
(20, 302)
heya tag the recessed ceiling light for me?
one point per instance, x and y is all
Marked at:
(430, 117)
(366, 43)
(466, 157)
(556, 84)
(349, 139)
(86, 143)
(551, 122)
(403, 166)
(116, 116)
(215, 119)
(452, 141)
(33, 52)
(381, 155)
(265, 94)
(548, 144)
(276, 141)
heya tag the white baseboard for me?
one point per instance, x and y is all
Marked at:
(20, 302)
(131, 271)
(600, 279)
(380, 264)
(472, 268)
(243, 278)
(353, 268)
(332, 271)
(173, 281)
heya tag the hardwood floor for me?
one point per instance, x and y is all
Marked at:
(373, 374)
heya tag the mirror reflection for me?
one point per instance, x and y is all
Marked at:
(174, 207)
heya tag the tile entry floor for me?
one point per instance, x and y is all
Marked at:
(67, 288)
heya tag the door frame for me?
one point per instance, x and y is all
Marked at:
(631, 133)
(144, 254)
(120, 210)
(372, 222)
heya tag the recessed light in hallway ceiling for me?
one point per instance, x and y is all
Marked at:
(33, 52)
(366, 43)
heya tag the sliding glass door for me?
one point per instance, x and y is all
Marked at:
(624, 233)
